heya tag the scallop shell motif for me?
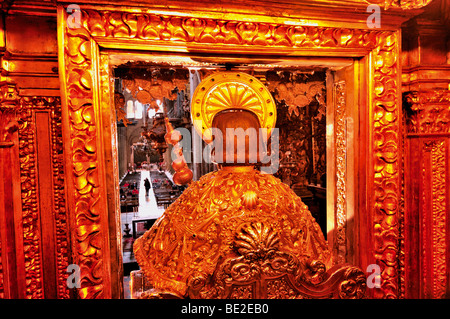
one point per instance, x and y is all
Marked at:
(233, 96)
(256, 238)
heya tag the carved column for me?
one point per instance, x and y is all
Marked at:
(426, 103)
(43, 216)
(427, 211)
(34, 245)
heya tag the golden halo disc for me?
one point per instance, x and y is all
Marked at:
(231, 90)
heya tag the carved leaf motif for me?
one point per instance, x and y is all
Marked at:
(354, 284)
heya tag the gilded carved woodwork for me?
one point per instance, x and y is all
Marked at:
(109, 120)
(81, 136)
(17, 114)
(296, 93)
(426, 223)
(259, 269)
(200, 228)
(402, 213)
(434, 220)
(439, 219)
(341, 168)
(30, 210)
(9, 94)
(301, 119)
(427, 111)
(154, 27)
(158, 29)
(8, 126)
(426, 105)
(385, 148)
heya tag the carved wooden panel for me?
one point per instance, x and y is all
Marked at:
(30, 198)
(385, 126)
(427, 195)
(438, 220)
(32, 250)
(82, 128)
(427, 231)
(427, 111)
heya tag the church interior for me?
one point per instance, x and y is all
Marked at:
(116, 181)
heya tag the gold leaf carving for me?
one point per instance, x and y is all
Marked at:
(173, 30)
(427, 111)
(218, 225)
(30, 207)
(386, 130)
(341, 168)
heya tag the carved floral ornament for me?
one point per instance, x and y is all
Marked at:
(81, 127)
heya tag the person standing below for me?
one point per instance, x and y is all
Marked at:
(147, 186)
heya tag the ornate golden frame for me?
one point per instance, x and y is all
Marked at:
(88, 121)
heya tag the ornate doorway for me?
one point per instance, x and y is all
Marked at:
(364, 124)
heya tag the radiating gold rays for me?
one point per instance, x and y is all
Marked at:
(231, 90)
(233, 96)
